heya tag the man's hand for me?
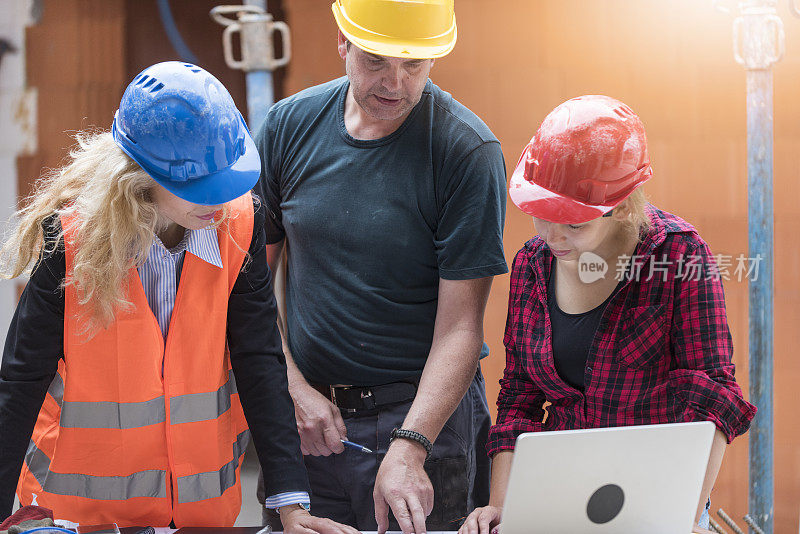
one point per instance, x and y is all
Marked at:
(403, 486)
(482, 521)
(296, 520)
(319, 422)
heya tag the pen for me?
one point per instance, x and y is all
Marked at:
(355, 446)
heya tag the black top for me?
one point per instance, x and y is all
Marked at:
(372, 225)
(35, 343)
(572, 334)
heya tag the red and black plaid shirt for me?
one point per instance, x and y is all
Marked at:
(661, 354)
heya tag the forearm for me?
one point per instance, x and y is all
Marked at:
(714, 463)
(453, 358)
(279, 288)
(449, 370)
(293, 373)
(277, 263)
(501, 467)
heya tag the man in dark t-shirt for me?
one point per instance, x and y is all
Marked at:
(389, 197)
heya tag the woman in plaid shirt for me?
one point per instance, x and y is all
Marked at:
(616, 314)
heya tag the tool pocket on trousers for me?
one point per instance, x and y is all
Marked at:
(457, 431)
(642, 337)
(450, 480)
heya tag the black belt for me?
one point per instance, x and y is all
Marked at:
(355, 398)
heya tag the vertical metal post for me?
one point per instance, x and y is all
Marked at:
(758, 44)
(760, 222)
(260, 91)
(256, 29)
(260, 96)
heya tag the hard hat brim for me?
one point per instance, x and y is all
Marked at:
(222, 186)
(383, 45)
(216, 188)
(540, 202)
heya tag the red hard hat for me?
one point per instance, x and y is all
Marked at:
(588, 155)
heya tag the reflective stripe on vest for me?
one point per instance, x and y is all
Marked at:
(151, 483)
(188, 408)
(56, 389)
(201, 406)
(202, 486)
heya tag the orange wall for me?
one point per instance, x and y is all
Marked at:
(75, 60)
(672, 62)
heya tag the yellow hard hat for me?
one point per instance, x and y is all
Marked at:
(414, 29)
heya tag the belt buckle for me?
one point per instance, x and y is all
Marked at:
(366, 396)
(333, 388)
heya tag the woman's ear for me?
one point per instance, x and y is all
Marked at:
(622, 212)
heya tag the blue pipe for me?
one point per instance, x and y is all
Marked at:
(760, 224)
(260, 96)
(174, 36)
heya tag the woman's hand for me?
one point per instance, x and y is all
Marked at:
(297, 520)
(482, 521)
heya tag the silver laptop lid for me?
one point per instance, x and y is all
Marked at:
(608, 480)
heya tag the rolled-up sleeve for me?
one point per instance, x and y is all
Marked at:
(520, 402)
(701, 343)
(519, 409)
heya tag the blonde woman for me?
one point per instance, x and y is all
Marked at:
(648, 342)
(145, 341)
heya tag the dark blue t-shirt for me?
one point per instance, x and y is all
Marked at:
(372, 225)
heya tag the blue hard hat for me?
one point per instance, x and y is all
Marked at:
(179, 123)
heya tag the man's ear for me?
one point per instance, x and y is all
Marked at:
(342, 44)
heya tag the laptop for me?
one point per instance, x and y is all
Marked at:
(608, 480)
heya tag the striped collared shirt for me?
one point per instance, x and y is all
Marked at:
(161, 271)
(160, 275)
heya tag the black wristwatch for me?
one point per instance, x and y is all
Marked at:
(413, 435)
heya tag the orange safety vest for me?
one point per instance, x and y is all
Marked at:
(117, 441)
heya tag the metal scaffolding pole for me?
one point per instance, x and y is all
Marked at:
(760, 222)
(758, 44)
(256, 29)
(260, 91)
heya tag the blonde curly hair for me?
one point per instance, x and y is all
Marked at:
(115, 221)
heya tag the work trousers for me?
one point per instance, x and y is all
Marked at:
(458, 466)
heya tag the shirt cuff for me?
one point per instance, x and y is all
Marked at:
(289, 497)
